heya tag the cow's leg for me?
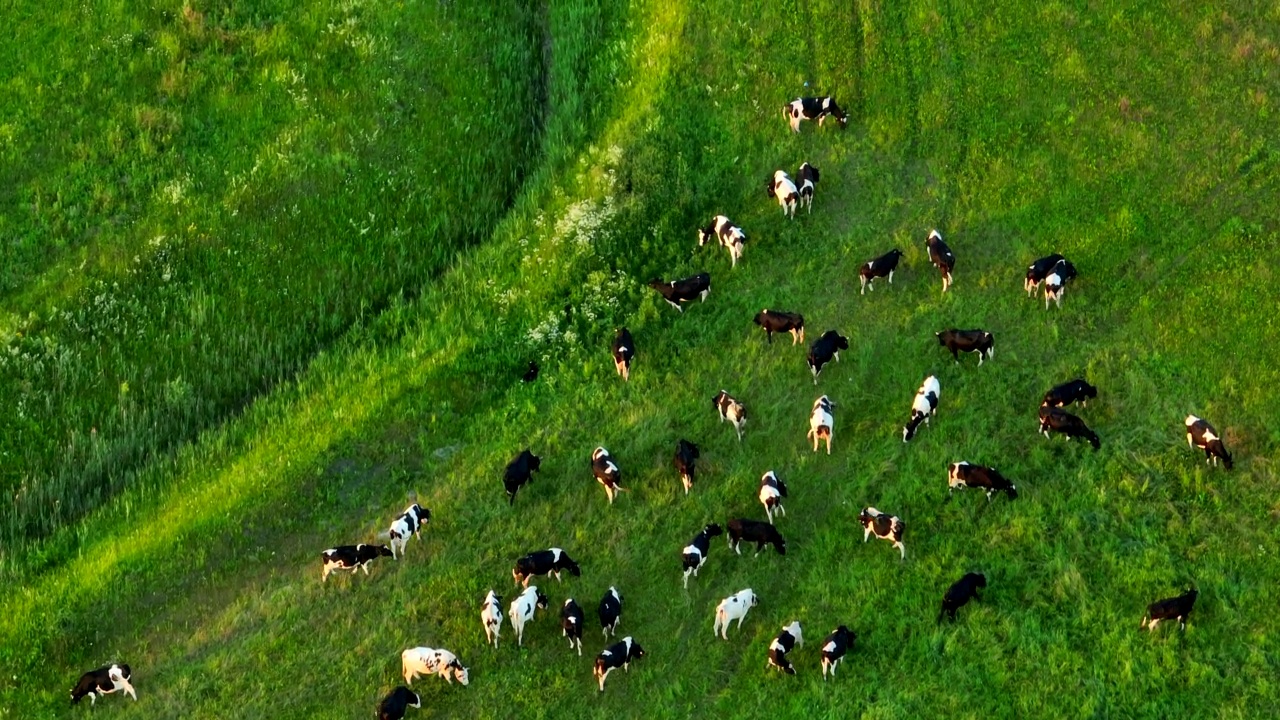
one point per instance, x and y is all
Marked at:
(1152, 625)
(866, 533)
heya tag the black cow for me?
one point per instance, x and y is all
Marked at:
(1038, 271)
(618, 655)
(520, 472)
(941, 256)
(1056, 283)
(834, 648)
(959, 594)
(1176, 608)
(610, 611)
(777, 321)
(394, 705)
(963, 475)
(824, 349)
(682, 291)
(695, 553)
(686, 454)
(783, 644)
(544, 562)
(882, 266)
(103, 681)
(729, 235)
(1059, 420)
(813, 108)
(757, 532)
(571, 620)
(883, 526)
(1068, 392)
(808, 182)
(532, 373)
(1201, 434)
(607, 473)
(958, 341)
(624, 348)
(352, 557)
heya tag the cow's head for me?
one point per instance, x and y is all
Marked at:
(460, 673)
(713, 530)
(534, 461)
(384, 551)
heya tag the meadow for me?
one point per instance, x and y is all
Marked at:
(274, 273)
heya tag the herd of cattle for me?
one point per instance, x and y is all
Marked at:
(1053, 271)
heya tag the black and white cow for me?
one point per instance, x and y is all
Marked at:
(941, 257)
(610, 611)
(1068, 392)
(732, 608)
(544, 562)
(814, 108)
(808, 183)
(884, 526)
(623, 348)
(571, 621)
(683, 291)
(924, 405)
(429, 661)
(618, 655)
(397, 702)
(1056, 283)
(729, 235)
(352, 557)
(822, 424)
(1038, 271)
(607, 473)
(1175, 608)
(1059, 420)
(1201, 434)
(963, 475)
(778, 321)
(407, 525)
(757, 532)
(959, 594)
(731, 410)
(772, 490)
(524, 608)
(958, 341)
(839, 642)
(785, 191)
(686, 454)
(103, 681)
(882, 266)
(491, 617)
(824, 349)
(783, 644)
(695, 553)
(519, 472)
(532, 373)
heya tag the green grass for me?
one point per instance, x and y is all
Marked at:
(1138, 142)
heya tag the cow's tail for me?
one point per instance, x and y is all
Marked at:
(384, 536)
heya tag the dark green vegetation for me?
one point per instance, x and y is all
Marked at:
(314, 341)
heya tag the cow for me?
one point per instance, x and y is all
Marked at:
(959, 594)
(778, 321)
(783, 644)
(103, 681)
(532, 373)
(524, 608)
(544, 562)
(834, 648)
(808, 175)
(824, 349)
(885, 527)
(1056, 283)
(571, 620)
(1038, 271)
(1201, 434)
(814, 108)
(1068, 392)
(623, 348)
(429, 661)
(607, 473)
(729, 235)
(519, 472)
(407, 525)
(821, 423)
(941, 256)
(924, 405)
(394, 705)
(958, 341)
(732, 608)
(961, 475)
(351, 557)
(1175, 608)
(619, 654)
(772, 490)
(683, 291)
(610, 611)
(882, 266)
(686, 454)
(695, 553)
(731, 410)
(757, 532)
(491, 617)
(785, 191)
(1059, 420)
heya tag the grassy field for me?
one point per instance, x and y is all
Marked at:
(1139, 142)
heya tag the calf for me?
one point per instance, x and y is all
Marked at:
(882, 266)
(1038, 271)
(1069, 392)
(959, 593)
(394, 705)
(623, 348)
(695, 553)
(351, 557)
(607, 473)
(833, 650)
(757, 532)
(731, 410)
(963, 475)
(1056, 283)
(428, 661)
(617, 655)
(941, 256)
(777, 321)
(571, 620)
(407, 525)
(924, 405)
(103, 681)
(1201, 434)
(683, 291)
(821, 423)
(1058, 420)
(544, 562)
(824, 349)
(885, 527)
(519, 472)
(730, 236)
(491, 617)
(958, 341)
(732, 608)
(772, 490)
(610, 611)
(785, 191)
(783, 644)
(686, 454)
(1175, 608)
(523, 609)
(808, 183)
(813, 108)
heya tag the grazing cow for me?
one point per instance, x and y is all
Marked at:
(882, 266)
(523, 609)
(624, 348)
(544, 562)
(834, 648)
(821, 423)
(429, 661)
(1038, 271)
(731, 410)
(619, 654)
(103, 681)
(1056, 283)
(824, 349)
(923, 406)
(394, 705)
(695, 553)
(958, 341)
(683, 291)
(963, 475)
(785, 191)
(885, 527)
(1175, 608)
(772, 490)
(777, 321)
(407, 525)
(491, 617)
(941, 256)
(783, 644)
(571, 620)
(1201, 434)
(607, 473)
(1069, 392)
(532, 373)
(730, 236)
(686, 454)
(959, 594)
(813, 108)
(808, 182)
(1059, 420)
(352, 557)
(610, 611)
(520, 472)
(732, 608)
(757, 532)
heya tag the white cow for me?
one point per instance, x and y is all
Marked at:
(491, 617)
(732, 608)
(523, 608)
(406, 526)
(428, 661)
(821, 424)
